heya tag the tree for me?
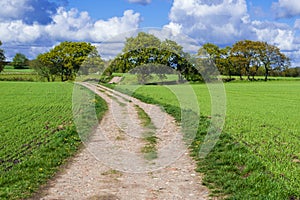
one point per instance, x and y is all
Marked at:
(141, 41)
(212, 50)
(2, 58)
(92, 64)
(226, 64)
(172, 46)
(209, 60)
(20, 61)
(147, 49)
(66, 59)
(251, 55)
(245, 53)
(45, 70)
(271, 58)
(135, 58)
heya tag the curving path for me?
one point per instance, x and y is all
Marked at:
(113, 166)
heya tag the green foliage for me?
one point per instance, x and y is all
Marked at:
(247, 57)
(292, 72)
(145, 72)
(250, 55)
(65, 60)
(2, 58)
(140, 57)
(172, 46)
(44, 71)
(20, 61)
(141, 41)
(92, 64)
(37, 134)
(147, 49)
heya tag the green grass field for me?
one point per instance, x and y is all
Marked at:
(257, 156)
(11, 74)
(37, 134)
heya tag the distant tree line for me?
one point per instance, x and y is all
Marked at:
(245, 58)
(249, 58)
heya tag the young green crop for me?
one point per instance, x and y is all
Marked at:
(258, 153)
(37, 134)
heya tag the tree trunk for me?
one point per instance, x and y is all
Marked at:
(266, 74)
(248, 73)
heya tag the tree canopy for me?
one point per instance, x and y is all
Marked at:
(147, 49)
(20, 61)
(246, 57)
(141, 41)
(65, 60)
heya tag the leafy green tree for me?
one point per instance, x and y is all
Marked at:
(147, 49)
(45, 70)
(92, 64)
(66, 59)
(208, 61)
(226, 64)
(245, 53)
(2, 58)
(212, 51)
(20, 61)
(139, 57)
(271, 58)
(141, 41)
(172, 46)
(251, 55)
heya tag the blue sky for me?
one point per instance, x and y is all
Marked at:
(34, 26)
(154, 14)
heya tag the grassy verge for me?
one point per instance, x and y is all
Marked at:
(37, 134)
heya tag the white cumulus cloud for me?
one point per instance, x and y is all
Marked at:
(70, 25)
(278, 34)
(210, 21)
(286, 8)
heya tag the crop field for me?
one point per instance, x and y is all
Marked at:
(258, 154)
(37, 134)
(10, 74)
